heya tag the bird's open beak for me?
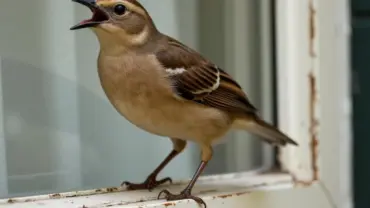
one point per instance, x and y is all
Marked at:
(99, 15)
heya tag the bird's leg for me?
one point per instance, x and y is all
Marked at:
(186, 193)
(151, 182)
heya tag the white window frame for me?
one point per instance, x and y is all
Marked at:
(314, 108)
(3, 171)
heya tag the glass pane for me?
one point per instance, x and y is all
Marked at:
(58, 130)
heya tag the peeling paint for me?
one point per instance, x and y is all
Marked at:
(313, 98)
(55, 196)
(242, 193)
(85, 193)
(298, 183)
(111, 189)
(169, 204)
(225, 196)
(312, 29)
(11, 201)
(89, 197)
(314, 124)
(314, 91)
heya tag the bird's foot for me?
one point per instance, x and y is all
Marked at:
(149, 184)
(185, 194)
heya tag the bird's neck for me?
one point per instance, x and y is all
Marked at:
(110, 43)
(120, 43)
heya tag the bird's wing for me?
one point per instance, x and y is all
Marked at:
(196, 79)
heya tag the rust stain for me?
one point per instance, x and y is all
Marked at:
(312, 29)
(66, 195)
(314, 147)
(169, 204)
(242, 193)
(298, 183)
(313, 127)
(118, 204)
(314, 123)
(313, 99)
(112, 189)
(11, 201)
(55, 196)
(225, 196)
(230, 195)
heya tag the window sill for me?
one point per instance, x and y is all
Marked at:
(210, 188)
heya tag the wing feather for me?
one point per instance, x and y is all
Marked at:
(199, 80)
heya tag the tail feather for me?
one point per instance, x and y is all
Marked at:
(267, 131)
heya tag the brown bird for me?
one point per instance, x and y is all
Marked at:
(166, 88)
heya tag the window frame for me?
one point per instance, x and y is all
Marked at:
(312, 36)
(298, 75)
(3, 172)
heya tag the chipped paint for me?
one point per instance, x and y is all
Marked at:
(55, 196)
(75, 194)
(168, 204)
(11, 201)
(306, 172)
(215, 187)
(242, 193)
(314, 124)
(312, 29)
(314, 91)
(29, 200)
(112, 189)
(224, 196)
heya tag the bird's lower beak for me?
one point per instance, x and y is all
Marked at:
(99, 15)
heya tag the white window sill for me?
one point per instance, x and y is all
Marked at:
(222, 188)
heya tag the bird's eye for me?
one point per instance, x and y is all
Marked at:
(120, 9)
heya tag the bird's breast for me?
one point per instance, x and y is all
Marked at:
(138, 89)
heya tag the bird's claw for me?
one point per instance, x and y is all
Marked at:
(183, 195)
(149, 184)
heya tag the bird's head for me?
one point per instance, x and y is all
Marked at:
(125, 21)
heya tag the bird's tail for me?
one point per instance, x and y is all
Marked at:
(267, 131)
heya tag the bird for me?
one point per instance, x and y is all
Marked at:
(166, 88)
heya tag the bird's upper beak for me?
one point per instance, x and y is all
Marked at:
(99, 15)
